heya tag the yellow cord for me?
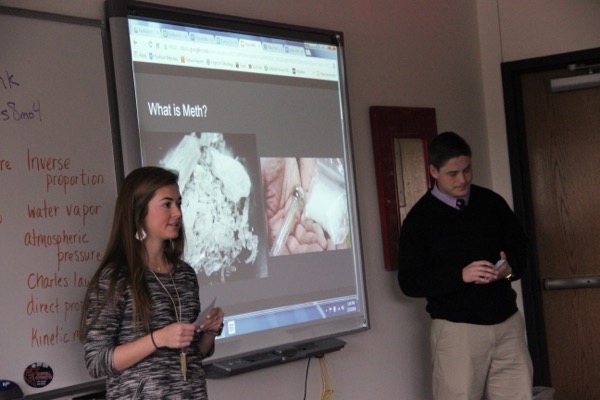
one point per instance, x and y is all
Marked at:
(326, 381)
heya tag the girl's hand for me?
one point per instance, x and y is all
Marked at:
(175, 336)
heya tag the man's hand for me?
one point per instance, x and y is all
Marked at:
(480, 272)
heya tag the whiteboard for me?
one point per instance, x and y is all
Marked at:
(58, 188)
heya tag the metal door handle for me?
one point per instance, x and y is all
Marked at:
(572, 283)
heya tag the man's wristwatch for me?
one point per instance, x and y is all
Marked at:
(509, 277)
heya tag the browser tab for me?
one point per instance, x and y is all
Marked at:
(273, 47)
(202, 38)
(143, 30)
(294, 50)
(226, 41)
(250, 44)
(174, 34)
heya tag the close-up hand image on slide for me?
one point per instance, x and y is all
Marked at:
(306, 202)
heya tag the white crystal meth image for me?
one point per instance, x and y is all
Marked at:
(222, 242)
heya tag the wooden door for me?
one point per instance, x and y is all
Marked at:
(563, 151)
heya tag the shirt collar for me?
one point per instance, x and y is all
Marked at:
(450, 200)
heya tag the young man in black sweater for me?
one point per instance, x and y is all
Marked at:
(460, 247)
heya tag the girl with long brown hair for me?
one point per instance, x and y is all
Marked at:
(141, 304)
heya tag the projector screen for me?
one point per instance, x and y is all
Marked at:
(254, 117)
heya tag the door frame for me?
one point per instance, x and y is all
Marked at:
(521, 188)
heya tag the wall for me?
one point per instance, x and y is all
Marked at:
(439, 53)
(562, 27)
(511, 30)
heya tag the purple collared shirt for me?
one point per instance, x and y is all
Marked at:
(450, 200)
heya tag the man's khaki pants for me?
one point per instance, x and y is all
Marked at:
(475, 362)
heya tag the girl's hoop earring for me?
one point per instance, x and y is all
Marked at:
(141, 235)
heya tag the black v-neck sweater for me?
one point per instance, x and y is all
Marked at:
(437, 241)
